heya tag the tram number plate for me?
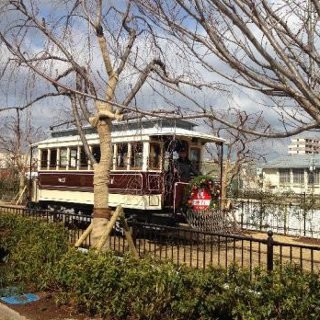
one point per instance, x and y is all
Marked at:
(201, 202)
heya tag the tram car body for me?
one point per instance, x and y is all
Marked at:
(142, 176)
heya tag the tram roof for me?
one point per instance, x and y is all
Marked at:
(137, 128)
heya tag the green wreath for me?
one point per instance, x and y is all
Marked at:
(208, 183)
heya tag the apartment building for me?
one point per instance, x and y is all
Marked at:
(304, 146)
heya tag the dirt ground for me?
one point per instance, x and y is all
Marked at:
(284, 238)
(46, 309)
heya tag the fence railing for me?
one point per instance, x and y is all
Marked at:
(285, 218)
(191, 247)
(203, 249)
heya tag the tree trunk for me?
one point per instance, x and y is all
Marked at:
(22, 182)
(101, 211)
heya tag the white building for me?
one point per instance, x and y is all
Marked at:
(295, 173)
(3, 160)
(304, 146)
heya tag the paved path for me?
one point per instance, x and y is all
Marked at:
(8, 314)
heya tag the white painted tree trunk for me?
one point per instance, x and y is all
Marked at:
(101, 211)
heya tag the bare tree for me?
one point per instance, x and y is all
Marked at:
(267, 48)
(93, 53)
(241, 148)
(16, 135)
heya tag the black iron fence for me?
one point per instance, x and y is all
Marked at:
(203, 249)
(191, 247)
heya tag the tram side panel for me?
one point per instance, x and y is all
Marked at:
(134, 190)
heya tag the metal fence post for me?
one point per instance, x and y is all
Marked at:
(260, 213)
(270, 251)
(304, 219)
(242, 213)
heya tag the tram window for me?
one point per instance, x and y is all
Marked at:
(53, 159)
(44, 159)
(96, 152)
(195, 158)
(73, 158)
(83, 159)
(122, 154)
(136, 156)
(155, 156)
(63, 159)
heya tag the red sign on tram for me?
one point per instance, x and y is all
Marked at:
(201, 199)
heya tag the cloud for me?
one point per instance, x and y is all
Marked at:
(18, 87)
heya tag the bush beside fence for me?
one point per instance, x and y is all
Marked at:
(191, 247)
(125, 288)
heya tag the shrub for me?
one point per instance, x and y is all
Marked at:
(106, 285)
(147, 289)
(34, 246)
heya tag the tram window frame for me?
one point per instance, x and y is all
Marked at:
(63, 158)
(83, 161)
(44, 159)
(53, 158)
(124, 148)
(73, 158)
(136, 156)
(153, 155)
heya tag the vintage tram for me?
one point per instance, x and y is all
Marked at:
(142, 178)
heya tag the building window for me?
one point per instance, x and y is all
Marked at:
(317, 177)
(298, 176)
(313, 177)
(284, 176)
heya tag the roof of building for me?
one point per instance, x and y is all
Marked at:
(294, 161)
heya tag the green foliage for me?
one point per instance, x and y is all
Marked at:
(89, 280)
(9, 184)
(34, 246)
(148, 289)
(123, 288)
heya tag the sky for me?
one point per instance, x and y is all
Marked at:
(16, 91)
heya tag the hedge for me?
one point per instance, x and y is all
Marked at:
(124, 288)
(33, 248)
